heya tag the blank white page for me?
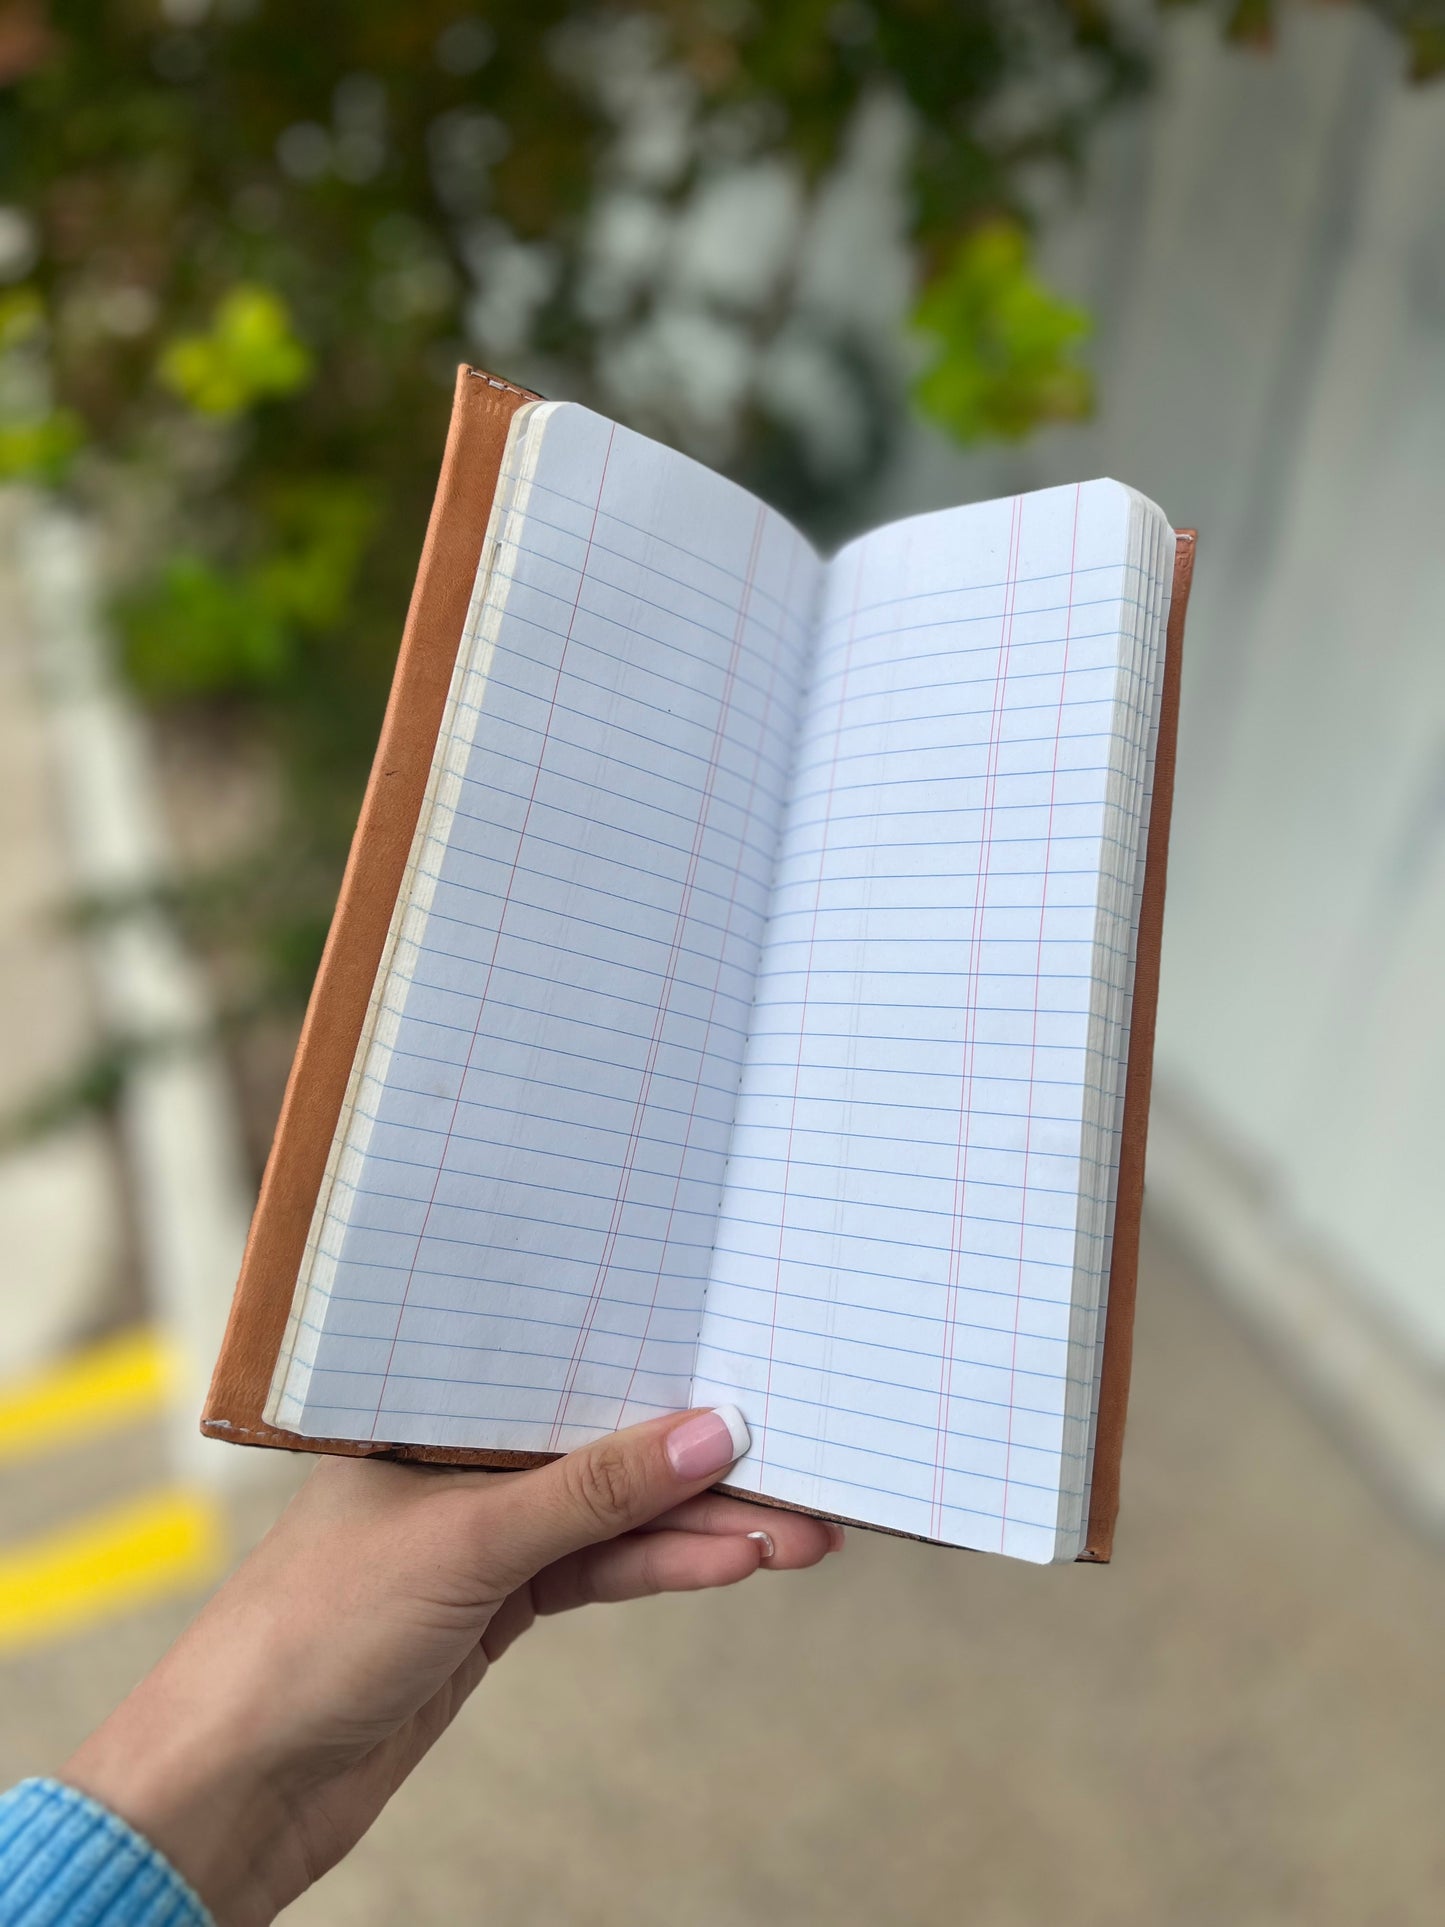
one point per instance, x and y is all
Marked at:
(512, 1241)
(908, 1267)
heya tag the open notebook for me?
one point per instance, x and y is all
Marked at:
(750, 1017)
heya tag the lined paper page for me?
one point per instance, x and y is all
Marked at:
(905, 1288)
(512, 1243)
(1118, 928)
(1160, 568)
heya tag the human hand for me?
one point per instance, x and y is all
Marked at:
(268, 1739)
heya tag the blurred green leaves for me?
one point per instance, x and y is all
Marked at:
(1425, 39)
(41, 449)
(255, 241)
(1004, 346)
(37, 440)
(22, 320)
(248, 354)
(196, 629)
(1420, 24)
(322, 526)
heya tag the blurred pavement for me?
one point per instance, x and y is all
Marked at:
(61, 1222)
(1241, 1721)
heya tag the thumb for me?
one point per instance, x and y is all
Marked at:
(610, 1486)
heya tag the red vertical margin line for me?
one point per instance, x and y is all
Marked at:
(970, 1034)
(497, 941)
(1034, 1037)
(803, 1011)
(664, 1000)
(748, 811)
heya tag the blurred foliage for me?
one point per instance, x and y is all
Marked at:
(37, 440)
(197, 627)
(1018, 369)
(1420, 24)
(244, 246)
(249, 352)
(247, 246)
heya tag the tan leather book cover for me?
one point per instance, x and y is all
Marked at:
(482, 412)
(481, 417)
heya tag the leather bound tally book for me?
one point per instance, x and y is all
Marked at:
(741, 991)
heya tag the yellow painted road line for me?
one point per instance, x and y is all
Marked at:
(115, 1382)
(91, 1569)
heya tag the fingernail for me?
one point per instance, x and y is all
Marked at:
(837, 1538)
(707, 1442)
(765, 1542)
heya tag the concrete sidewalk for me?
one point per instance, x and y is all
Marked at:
(1239, 1722)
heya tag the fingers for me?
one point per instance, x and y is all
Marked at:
(609, 1487)
(796, 1540)
(638, 1567)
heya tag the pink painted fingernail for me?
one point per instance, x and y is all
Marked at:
(765, 1542)
(708, 1442)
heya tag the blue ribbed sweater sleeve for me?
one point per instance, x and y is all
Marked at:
(67, 1862)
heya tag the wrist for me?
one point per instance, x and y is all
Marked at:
(208, 1800)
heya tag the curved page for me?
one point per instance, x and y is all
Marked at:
(512, 1242)
(904, 1297)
